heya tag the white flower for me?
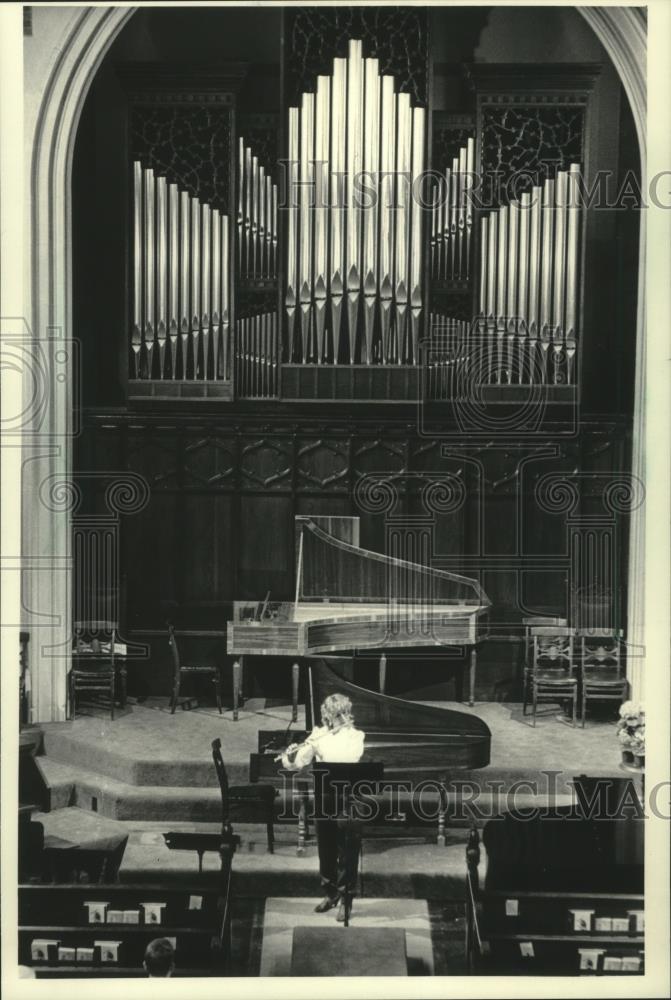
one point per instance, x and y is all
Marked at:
(632, 710)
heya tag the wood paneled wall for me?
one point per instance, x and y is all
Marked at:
(219, 525)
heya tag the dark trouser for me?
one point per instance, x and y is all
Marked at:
(339, 844)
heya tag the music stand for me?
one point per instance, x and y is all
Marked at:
(333, 783)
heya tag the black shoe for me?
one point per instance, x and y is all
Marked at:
(327, 904)
(340, 915)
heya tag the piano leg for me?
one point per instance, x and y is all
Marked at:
(442, 814)
(471, 677)
(383, 673)
(295, 674)
(237, 686)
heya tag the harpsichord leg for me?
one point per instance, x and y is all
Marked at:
(237, 686)
(295, 674)
(383, 673)
(471, 676)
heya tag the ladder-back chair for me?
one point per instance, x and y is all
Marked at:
(552, 673)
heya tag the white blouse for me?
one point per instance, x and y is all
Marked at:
(342, 747)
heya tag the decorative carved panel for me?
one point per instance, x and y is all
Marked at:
(322, 464)
(209, 461)
(190, 146)
(397, 36)
(532, 119)
(266, 464)
(380, 454)
(531, 137)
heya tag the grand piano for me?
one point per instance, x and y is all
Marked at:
(350, 599)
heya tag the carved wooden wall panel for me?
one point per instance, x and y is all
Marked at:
(208, 461)
(219, 523)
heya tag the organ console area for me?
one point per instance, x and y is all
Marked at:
(363, 243)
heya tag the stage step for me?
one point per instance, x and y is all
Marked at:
(149, 764)
(60, 780)
(114, 760)
(121, 800)
(145, 746)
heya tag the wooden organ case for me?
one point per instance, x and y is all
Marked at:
(359, 245)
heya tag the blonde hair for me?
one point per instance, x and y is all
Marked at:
(335, 708)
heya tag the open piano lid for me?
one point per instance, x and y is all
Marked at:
(332, 567)
(399, 731)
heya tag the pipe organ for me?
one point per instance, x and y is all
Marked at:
(529, 285)
(446, 351)
(321, 288)
(452, 219)
(181, 283)
(354, 232)
(257, 217)
(256, 355)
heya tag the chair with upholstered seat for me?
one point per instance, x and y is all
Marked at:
(253, 802)
(601, 669)
(182, 669)
(552, 673)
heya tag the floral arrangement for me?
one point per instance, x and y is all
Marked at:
(631, 727)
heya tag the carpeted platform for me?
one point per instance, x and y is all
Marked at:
(406, 868)
(283, 915)
(148, 764)
(82, 829)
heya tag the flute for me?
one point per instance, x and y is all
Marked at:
(312, 740)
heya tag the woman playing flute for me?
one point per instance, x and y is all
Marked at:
(337, 740)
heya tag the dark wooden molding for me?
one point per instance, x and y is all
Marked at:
(531, 81)
(154, 81)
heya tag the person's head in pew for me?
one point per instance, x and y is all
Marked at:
(159, 958)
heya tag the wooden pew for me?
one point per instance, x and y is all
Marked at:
(576, 910)
(198, 920)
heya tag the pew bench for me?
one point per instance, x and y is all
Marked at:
(88, 931)
(561, 895)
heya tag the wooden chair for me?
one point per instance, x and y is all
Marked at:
(93, 668)
(552, 675)
(534, 621)
(182, 669)
(257, 801)
(601, 669)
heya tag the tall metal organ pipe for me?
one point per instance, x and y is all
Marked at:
(181, 283)
(354, 289)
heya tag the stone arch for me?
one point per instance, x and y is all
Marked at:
(46, 577)
(49, 308)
